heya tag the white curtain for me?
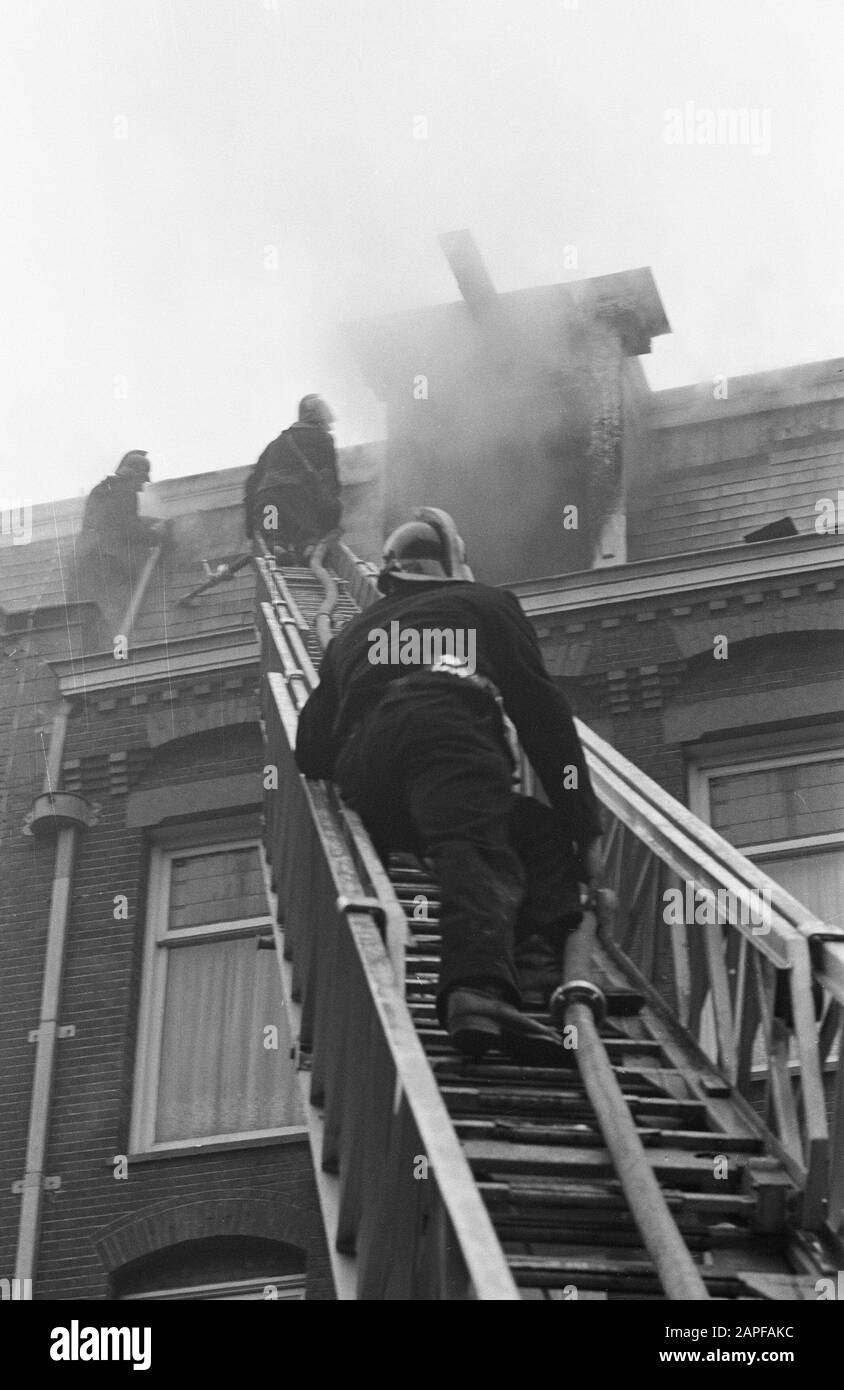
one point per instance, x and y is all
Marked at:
(814, 877)
(216, 1076)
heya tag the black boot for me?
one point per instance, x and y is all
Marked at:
(480, 1017)
(540, 970)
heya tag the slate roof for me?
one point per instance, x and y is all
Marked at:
(712, 470)
(718, 504)
(39, 579)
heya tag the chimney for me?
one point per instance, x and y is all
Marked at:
(508, 411)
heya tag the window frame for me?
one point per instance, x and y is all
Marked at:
(158, 942)
(703, 771)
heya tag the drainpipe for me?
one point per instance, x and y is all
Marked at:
(63, 815)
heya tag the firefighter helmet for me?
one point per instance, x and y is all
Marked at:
(426, 549)
(134, 464)
(313, 410)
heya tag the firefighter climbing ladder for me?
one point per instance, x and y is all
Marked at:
(443, 1178)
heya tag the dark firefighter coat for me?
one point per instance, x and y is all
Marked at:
(281, 471)
(506, 652)
(111, 524)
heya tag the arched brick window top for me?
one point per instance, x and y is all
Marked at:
(206, 1244)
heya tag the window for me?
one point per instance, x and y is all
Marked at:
(287, 1287)
(786, 813)
(214, 1046)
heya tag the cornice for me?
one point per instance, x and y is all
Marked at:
(648, 581)
(157, 662)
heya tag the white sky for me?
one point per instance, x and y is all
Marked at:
(290, 124)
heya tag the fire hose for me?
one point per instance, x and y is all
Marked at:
(579, 1004)
(332, 593)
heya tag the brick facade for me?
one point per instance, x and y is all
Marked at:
(646, 676)
(95, 1222)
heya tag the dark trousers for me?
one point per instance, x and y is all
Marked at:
(429, 771)
(301, 520)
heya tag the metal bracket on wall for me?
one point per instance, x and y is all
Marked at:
(67, 1030)
(52, 1184)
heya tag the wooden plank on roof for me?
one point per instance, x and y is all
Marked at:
(467, 265)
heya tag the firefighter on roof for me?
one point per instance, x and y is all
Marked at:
(409, 720)
(293, 492)
(112, 528)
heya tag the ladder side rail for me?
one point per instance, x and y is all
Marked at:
(280, 624)
(720, 898)
(835, 1201)
(828, 959)
(359, 575)
(340, 963)
(785, 952)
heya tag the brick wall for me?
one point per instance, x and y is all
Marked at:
(165, 1198)
(631, 671)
